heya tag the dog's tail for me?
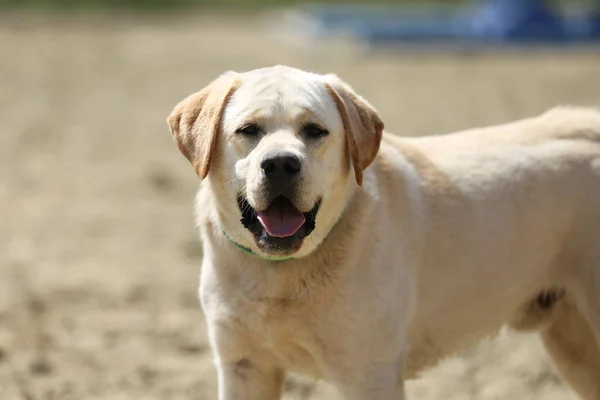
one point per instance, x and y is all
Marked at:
(574, 122)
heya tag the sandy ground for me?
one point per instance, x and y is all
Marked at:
(98, 253)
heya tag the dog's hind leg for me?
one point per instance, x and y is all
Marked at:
(584, 286)
(572, 344)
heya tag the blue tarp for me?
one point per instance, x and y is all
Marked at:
(489, 22)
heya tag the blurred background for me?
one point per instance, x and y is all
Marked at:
(99, 257)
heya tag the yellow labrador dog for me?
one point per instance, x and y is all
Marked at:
(357, 257)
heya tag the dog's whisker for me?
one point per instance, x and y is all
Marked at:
(233, 180)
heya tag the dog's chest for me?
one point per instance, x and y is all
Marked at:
(284, 331)
(278, 314)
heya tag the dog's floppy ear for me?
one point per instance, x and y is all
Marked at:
(362, 124)
(195, 121)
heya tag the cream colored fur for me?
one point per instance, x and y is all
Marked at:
(447, 239)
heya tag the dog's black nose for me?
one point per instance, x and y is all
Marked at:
(280, 164)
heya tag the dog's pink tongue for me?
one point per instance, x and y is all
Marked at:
(281, 219)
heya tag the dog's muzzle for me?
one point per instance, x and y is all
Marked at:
(277, 223)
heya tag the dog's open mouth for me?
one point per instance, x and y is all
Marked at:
(281, 227)
(281, 219)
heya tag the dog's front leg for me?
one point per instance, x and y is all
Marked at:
(380, 381)
(359, 372)
(243, 373)
(365, 358)
(245, 380)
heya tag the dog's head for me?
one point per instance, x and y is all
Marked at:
(280, 145)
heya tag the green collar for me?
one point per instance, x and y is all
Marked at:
(248, 251)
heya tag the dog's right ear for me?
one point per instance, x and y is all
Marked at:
(195, 121)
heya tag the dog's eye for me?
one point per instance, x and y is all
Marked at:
(249, 130)
(314, 131)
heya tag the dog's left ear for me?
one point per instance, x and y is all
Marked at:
(195, 121)
(362, 124)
